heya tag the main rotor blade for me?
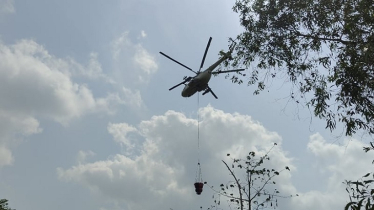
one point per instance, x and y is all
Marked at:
(176, 86)
(220, 72)
(186, 80)
(178, 62)
(211, 91)
(206, 51)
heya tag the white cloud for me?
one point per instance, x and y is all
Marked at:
(144, 60)
(132, 98)
(92, 70)
(163, 171)
(120, 133)
(7, 7)
(133, 60)
(338, 163)
(35, 84)
(162, 166)
(119, 43)
(127, 97)
(340, 160)
(6, 157)
(94, 67)
(13, 123)
(143, 34)
(83, 155)
(14, 127)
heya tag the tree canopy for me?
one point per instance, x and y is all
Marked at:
(324, 47)
(4, 205)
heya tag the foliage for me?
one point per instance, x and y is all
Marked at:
(361, 192)
(4, 204)
(255, 190)
(324, 47)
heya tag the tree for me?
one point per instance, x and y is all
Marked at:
(253, 191)
(325, 49)
(361, 192)
(4, 204)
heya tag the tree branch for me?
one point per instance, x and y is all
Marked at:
(263, 186)
(324, 38)
(249, 190)
(237, 182)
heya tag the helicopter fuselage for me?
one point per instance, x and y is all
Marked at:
(200, 81)
(197, 84)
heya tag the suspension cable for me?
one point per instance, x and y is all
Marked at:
(198, 172)
(198, 126)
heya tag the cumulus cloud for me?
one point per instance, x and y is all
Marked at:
(126, 96)
(144, 60)
(93, 70)
(13, 127)
(143, 34)
(160, 162)
(132, 98)
(162, 170)
(35, 84)
(121, 134)
(133, 60)
(119, 43)
(83, 155)
(6, 157)
(13, 123)
(7, 7)
(338, 163)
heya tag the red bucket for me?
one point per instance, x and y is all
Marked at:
(198, 187)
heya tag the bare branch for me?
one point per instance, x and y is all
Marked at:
(324, 38)
(237, 182)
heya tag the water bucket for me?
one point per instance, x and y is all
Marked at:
(198, 187)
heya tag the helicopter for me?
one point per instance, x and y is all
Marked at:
(200, 81)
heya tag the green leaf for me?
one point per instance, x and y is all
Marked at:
(360, 203)
(367, 206)
(349, 205)
(357, 183)
(368, 181)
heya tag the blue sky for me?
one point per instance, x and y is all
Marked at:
(87, 120)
